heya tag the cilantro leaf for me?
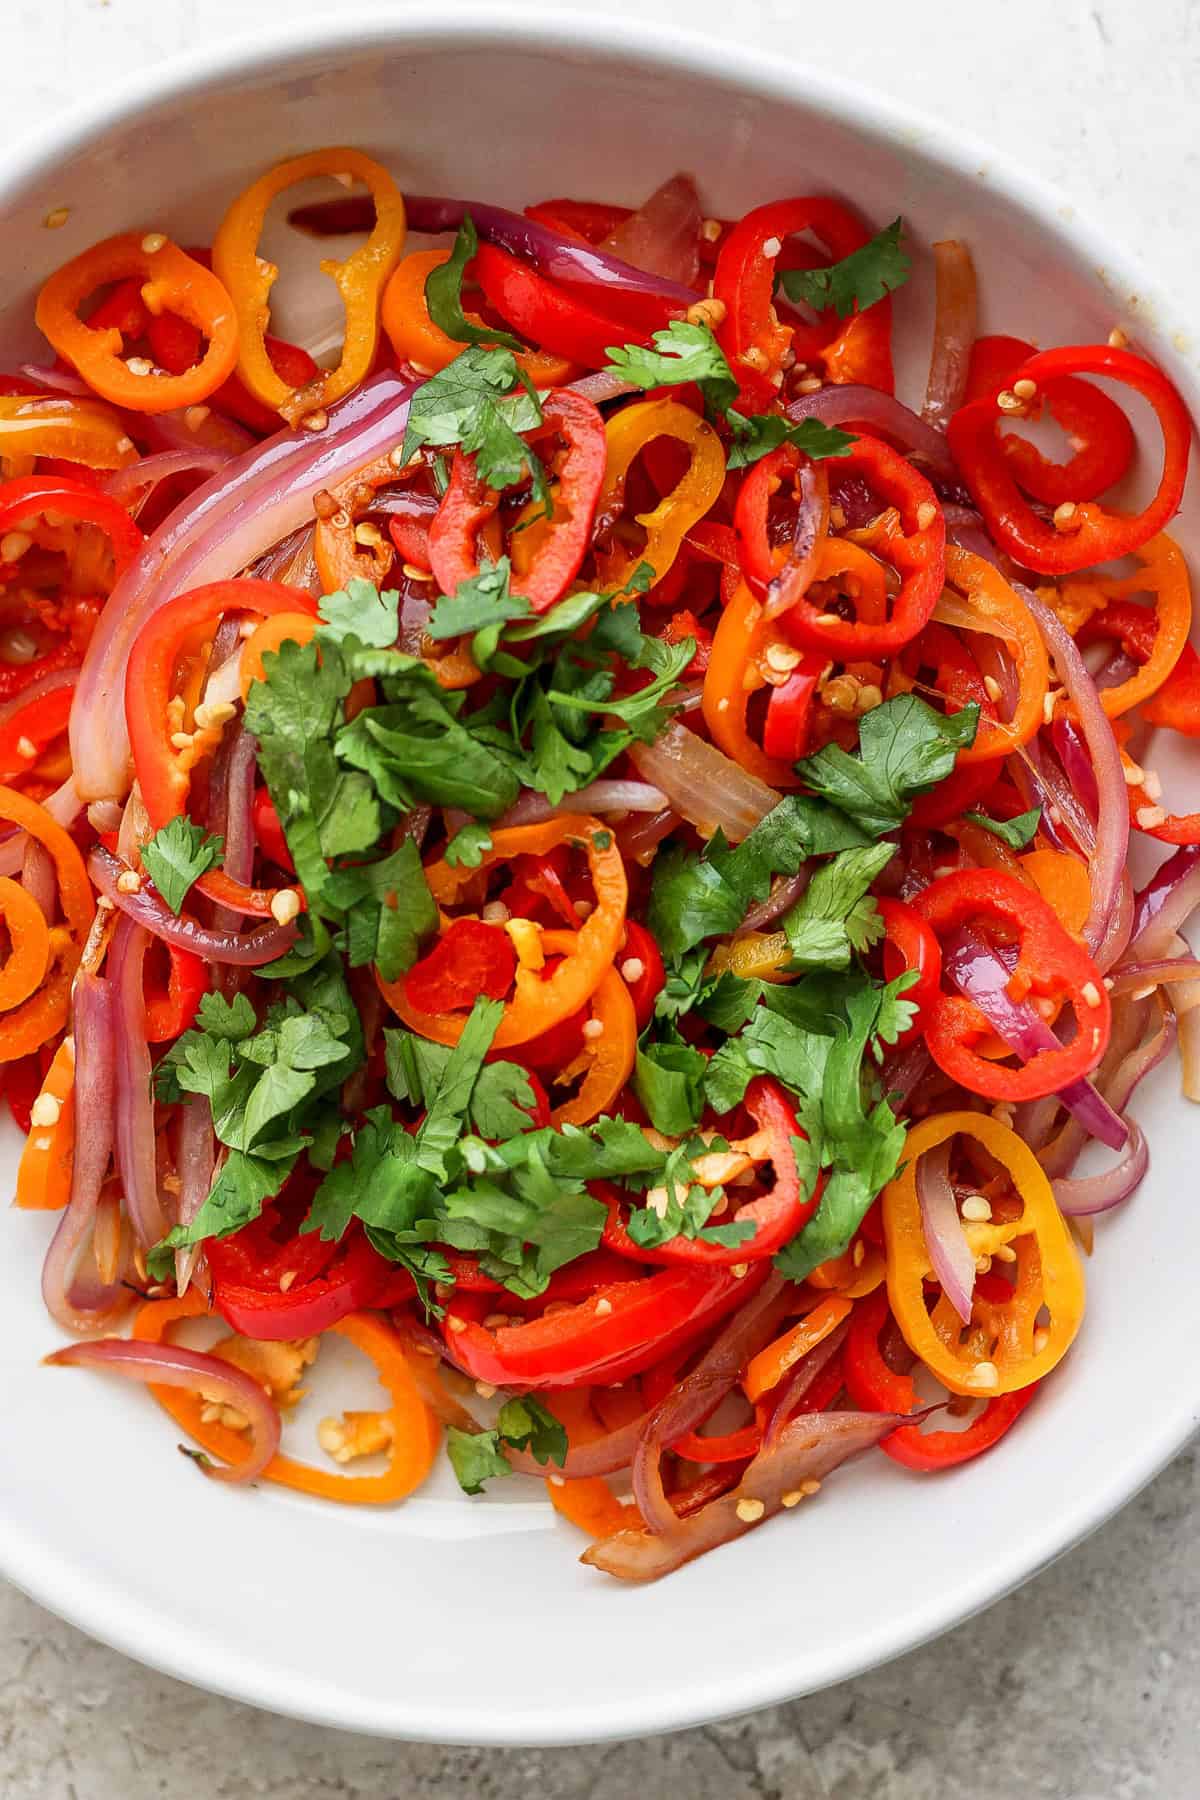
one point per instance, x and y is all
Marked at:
(1017, 833)
(390, 910)
(177, 855)
(527, 1424)
(682, 353)
(668, 1079)
(480, 401)
(858, 280)
(416, 747)
(360, 611)
(443, 295)
(482, 601)
(475, 1457)
(835, 915)
(469, 845)
(236, 1198)
(756, 435)
(904, 747)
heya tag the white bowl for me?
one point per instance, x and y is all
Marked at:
(449, 1619)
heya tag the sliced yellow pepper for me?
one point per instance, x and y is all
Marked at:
(628, 432)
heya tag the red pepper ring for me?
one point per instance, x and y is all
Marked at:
(171, 1009)
(619, 1331)
(164, 775)
(1050, 963)
(916, 549)
(909, 943)
(780, 574)
(550, 316)
(29, 496)
(548, 555)
(1090, 534)
(777, 1216)
(1100, 436)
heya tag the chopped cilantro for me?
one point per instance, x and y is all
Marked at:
(177, 855)
(1017, 833)
(668, 1079)
(475, 1457)
(479, 603)
(857, 281)
(835, 915)
(682, 353)
(360, 611)
(524, 1424)
(758, 434)
(468, 847)
(443, 295)
(904, 747)
(481, 402)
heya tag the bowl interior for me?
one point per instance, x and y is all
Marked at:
(454, 1619)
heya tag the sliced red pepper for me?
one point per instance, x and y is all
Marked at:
(776, 1217)
(962, 791)
(469, 959)
(751, 334)
(909, 943)
(644, 988)
(789, 710)
(683, 625)
(27, 733)
(269, 832)
(22, 1078)
(468, 503)
(1100, 436)
(1089, 534)
(29, 496)
(781, 574)
(618, 1332)
(916, 548)
(538, 891)
(171, 1007)
(1050, 963)
(356, 1277)
(592, 220)
(548, 315)
(409, 520)
(1177, 702)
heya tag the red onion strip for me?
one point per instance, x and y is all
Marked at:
(851, 405)
(1165, 904)
(801, 1379)
(598, 797)
(169, 1365)
(76, 1302)
(135, 1136)
(955, 313)
(809, 1449)
(1080, 1196)
(124, 485)
(663, 236)
(149, 910)
(704, 786)
(945, 1239)
(196, 1154)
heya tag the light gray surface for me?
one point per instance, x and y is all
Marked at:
(1084, 1685)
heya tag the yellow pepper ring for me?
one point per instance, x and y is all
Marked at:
(1022, 1352)
(360, 280)
(82, 431)
(668, 524)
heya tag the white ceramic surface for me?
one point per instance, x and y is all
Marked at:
(447, 1619)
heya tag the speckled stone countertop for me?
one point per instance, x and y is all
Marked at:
(1082, 1686)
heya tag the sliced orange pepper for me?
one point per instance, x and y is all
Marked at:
(842, 1275)
(666, 526)
(1163, 573)
(29, 941)
(537, 1003)
(44, 1171)
(415, 1432)
(999, 1352)
(172, 281)
(992, 605)
(360, 280)
(768, 1368)
(78, 431)
(416, 339)
(742, 640)
(40, 1015)
(278, 628)
(1062, 880)
(589, 1503)
(606, 1061)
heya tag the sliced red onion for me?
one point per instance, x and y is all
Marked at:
(125, 485)
(1136, 978)
(250, 951)
(700, 1392)
(1112, 823)
(1080, 1196)
(880, 414)
(1165, 904)
(1041, 781)
(1131, 1058)
(197, 1155)
(598, 797)
(601, 387)
(783, 896)
(57, 381)
(945, 1239)
(169, 1365)
(135, 1136)
(809, 1449)
(39, 877)
(244, 509)
(980, 973)
(904, 1070)
(705, 786)
(76, 1300)
(810, 527)
(194, 427)
(561, 258)
(954, 320)
(604, 1456)
(1077, 764)
(663, 236)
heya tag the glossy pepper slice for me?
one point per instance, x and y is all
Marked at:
(546, 554)
(1004, 1348)
(1050, 964)
(1155, 638)
(1087, 534)
(164, 772)
(469, 959)
(909, 944)
(540, 999)
(605, 1060)
(417, 340)
(620, 1330)
(171, 281)
(26, 499)
(781, 574)
(751, 333)
(667, 524)
(549, 315)
(1099, 434)
(360, 280)
(913, 542)
(78, 431)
